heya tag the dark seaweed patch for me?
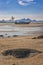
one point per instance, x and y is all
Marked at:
(20, 53)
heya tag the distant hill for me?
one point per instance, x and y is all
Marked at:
(23, 21)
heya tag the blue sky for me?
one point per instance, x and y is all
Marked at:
(21, 9)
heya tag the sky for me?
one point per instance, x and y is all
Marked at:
(21, 9)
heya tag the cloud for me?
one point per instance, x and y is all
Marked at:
(25, 2)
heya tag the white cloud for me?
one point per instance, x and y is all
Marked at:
(25, 2)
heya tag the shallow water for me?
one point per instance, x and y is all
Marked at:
(7, 30)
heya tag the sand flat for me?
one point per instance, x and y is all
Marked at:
(21, 42)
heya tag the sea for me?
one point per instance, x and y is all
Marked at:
(9, 30)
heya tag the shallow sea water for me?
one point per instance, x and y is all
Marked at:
(7, 30)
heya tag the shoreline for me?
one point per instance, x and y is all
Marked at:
(33, 24)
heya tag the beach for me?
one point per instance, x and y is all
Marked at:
(22, 42)
(21, 32)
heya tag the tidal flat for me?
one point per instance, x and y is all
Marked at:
(22, 42)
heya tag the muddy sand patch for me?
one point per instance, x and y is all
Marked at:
(21, 53)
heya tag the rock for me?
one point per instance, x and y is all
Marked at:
(13, 64)
(1, 36)
(15, 35)
(34, 38)
(8, 36)
(39, 37)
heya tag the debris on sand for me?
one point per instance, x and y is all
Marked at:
(13, 64)
(39, 37)
(1, 36)
(15, 35)
(21, 53)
